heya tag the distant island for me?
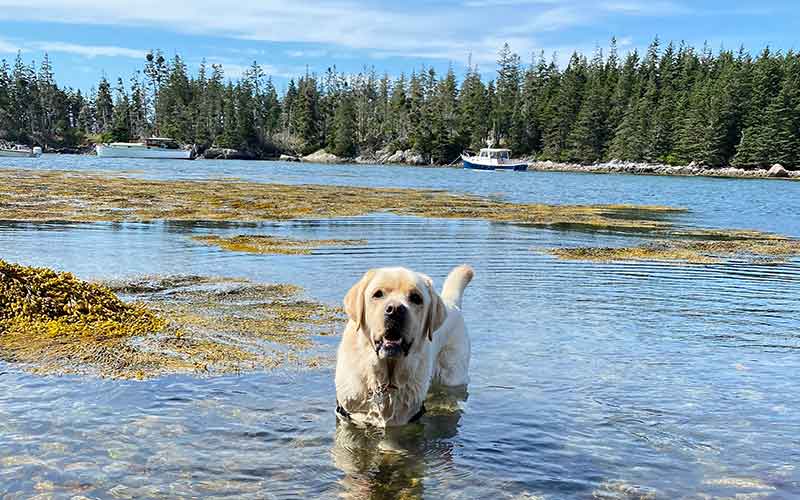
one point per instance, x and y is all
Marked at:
(672, 105)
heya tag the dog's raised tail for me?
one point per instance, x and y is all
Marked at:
(456, 282)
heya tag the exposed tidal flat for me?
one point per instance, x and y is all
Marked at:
(605, 378)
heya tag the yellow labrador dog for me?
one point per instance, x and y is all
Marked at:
(400, 338)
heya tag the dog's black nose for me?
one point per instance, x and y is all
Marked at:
(396, 311)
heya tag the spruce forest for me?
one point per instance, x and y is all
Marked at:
(672, 104)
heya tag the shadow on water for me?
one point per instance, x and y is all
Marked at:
(393, 462)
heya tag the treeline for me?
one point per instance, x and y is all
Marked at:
(672, 104)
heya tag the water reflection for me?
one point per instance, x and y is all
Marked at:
(393, 462)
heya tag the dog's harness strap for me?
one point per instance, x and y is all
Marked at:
(418, 415)
(344, 414)
(341, 412)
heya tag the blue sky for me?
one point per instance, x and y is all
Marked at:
(88, 38)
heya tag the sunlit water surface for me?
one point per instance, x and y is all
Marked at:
(605, 380)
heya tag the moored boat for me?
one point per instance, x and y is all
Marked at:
(20, 151)
(493, 159)
(154, 147)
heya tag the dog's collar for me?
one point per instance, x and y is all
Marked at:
(345, 415)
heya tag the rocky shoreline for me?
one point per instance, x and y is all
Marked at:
(381, 157)
(410, 157)
(623, 167)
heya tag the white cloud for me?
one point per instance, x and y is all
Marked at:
(8, 47)
(314, 53)
(233, 70)
(645, 8)
(443, 31)
(90, 51)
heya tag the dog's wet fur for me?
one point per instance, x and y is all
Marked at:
(401, 337)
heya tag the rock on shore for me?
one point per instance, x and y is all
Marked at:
(228, 154)
(383, 157)
(777, 170)
(323, 156)
(626, 167)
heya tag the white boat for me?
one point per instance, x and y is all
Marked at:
(154, 147)
(493, 159)
(20, 151)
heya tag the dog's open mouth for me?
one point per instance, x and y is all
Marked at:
(392, 348)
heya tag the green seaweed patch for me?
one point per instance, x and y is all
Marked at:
(266, 244)
(750, 245)
(55, 323)
(30, 195)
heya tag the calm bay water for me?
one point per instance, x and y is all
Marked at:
(588, 380)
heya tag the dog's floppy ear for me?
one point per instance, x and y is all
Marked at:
(437, 312)
(354, 300)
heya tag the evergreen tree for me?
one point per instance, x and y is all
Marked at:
(774, 135)
(675, 104)
(445, 145)
(104, 106)
(121, 122)
(506, 94)
(306, 115)
(565, 108)
(473, 110)
(588, 138)
(344, 144)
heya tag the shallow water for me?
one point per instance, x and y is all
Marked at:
(612, 380)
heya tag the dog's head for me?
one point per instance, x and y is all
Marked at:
(396, 308)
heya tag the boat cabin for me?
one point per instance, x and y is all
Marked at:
(161, 142)
(495, 154)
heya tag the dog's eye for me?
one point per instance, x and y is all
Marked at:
(415, 298)
(378, 294)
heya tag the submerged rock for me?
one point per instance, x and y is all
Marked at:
(322, 156)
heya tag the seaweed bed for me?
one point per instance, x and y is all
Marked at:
(54, 323)
(31, 195)
(266, 244)
(696, 247)
(35, 195)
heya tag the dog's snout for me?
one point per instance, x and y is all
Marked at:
(395, 310)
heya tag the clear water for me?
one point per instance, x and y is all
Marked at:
(604, 380)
